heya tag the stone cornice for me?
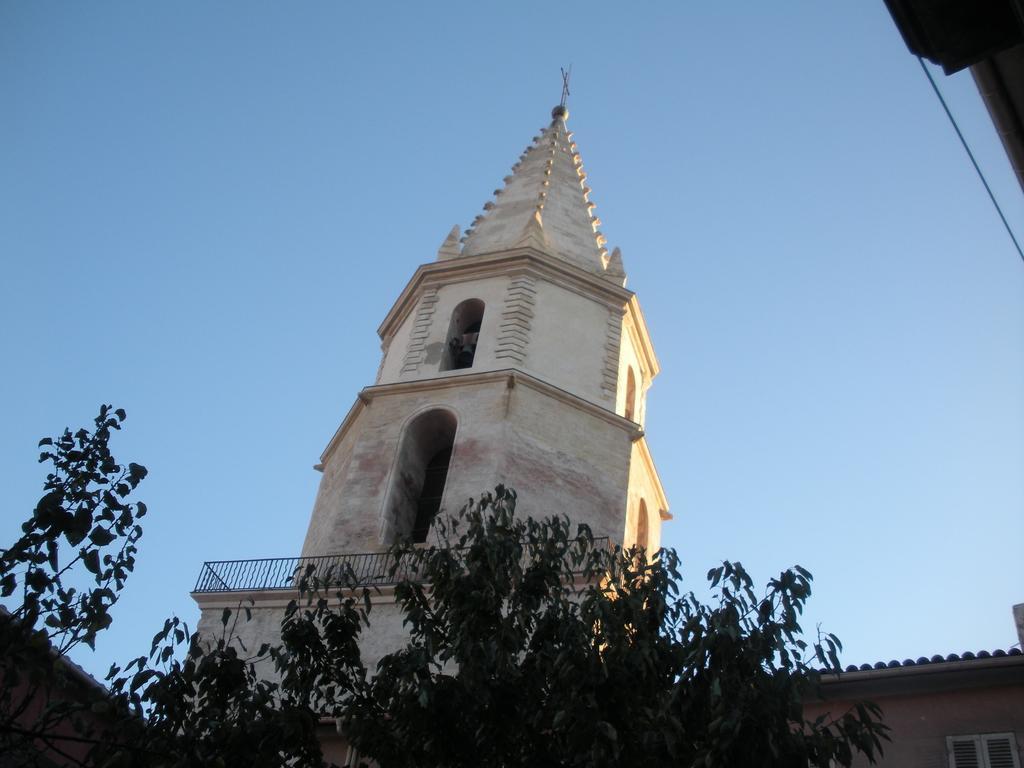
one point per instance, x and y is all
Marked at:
(511, 262)
(354, 411)
(510, 377)
(278, 599)
(274, 598)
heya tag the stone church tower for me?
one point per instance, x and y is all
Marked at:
(517, 357)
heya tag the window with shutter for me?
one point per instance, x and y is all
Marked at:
(1000, 750)
(964, 751)
(987, 750)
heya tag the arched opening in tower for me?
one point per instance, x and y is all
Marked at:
(641, 525)
(420, 476)
(429, 501)
(463, 335)
(630, 394)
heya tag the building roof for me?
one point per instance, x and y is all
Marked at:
(926, 676)
(545, 203)
(988, 37)
(61, 662)
(937, 659)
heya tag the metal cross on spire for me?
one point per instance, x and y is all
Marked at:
(565, 84)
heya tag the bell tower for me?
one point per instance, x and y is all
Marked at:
(517, 357)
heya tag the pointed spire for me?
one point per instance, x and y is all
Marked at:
(534, 236)
(450, 248)
(614, 271)
(548, 180)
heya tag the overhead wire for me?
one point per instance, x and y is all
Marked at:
(970, 154)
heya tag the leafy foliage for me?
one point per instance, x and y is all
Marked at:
(190, 701)
(533, 644)
(85, 508)
(67, 570)
(224, 705)
(216, 705)
(530, 643)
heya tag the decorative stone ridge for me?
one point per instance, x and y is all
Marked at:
(614, 271)
(534, 236)
(549, 181)
(516, 317)
(450, 248)
(384, 346)
(416, 351)
(612, 342)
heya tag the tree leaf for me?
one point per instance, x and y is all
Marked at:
(101, 536)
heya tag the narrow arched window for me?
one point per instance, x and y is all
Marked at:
(630, 394)
(420, 476)
(463, 335)
(641, 525)
(429, 501)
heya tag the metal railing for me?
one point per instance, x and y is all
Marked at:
(370, 568)
(367, 568)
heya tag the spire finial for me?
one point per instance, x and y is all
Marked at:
(561, 110)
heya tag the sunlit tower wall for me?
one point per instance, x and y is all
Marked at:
(517, 356)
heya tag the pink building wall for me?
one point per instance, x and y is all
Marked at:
(923, 703)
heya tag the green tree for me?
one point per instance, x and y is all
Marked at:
(530, 643)
(189, 701)
(64, 574)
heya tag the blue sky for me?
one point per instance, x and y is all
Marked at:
(206, 210)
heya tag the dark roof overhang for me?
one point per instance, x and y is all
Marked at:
(958, 33)
(988, 37)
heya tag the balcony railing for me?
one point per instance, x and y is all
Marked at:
(368, 569)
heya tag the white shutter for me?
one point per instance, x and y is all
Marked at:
(990, 750)
(1000, 750)
(964, 751)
